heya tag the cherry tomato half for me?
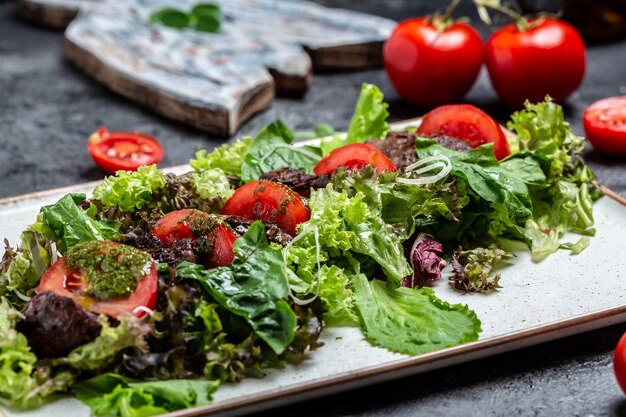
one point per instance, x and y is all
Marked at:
(466, 122)
(68, 282)
(605, 125)
(619, 363)
(179, 224)
(354, 157)
(268, 201)
(429, 66)
(546, 59)
(114, 151)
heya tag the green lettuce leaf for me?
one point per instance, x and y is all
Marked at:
(507, 203)
(253, 286)
(272, 148)
(564, 202)
(212, 183)
(22, 268)
(411, 320)
(228, 158)
(23, 383)
(114, 395)
(472, 269)
(102, 351)
(67, 224)
(369, 120)
(351, 224)
(131, 190)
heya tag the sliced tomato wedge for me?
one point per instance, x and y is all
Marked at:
(223, 239)
(181, 224)
(605, 125)
(114, 151)
(177, 225)
(354, 157)
(468, 123)
(69, 282)
(268, 201)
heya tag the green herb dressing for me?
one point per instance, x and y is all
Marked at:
(109, 270)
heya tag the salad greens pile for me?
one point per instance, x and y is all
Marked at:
(365, 258)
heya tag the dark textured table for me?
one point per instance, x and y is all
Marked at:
(48, 109)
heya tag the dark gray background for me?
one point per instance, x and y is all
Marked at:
(48, 109)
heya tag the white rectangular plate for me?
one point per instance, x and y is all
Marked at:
(560, 296)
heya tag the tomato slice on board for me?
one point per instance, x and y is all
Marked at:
(268, 201)
(68, 282)
(605, 125)
(466, 122)
(179, 224)
(114, 151)
(354, 157)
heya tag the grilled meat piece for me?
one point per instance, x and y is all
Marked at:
(272, 232)
(56, 325)
(399, 147)
(179, 251)
(297, 180)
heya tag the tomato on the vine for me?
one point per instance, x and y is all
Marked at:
(605, 125)
(114, 151)
(268, 201)
(545, 58)
(431, 61)
(354, 157)
(466, 122)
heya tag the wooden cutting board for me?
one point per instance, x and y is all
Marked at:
(213, 82)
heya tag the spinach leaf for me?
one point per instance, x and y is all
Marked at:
(369, 120)
(272, 148)
(253, 286)
(411, 320)
(68, 224)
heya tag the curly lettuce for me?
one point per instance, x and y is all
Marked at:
(115, 395)
(131, 190)
(228, 158)
(411, 320)
(23, 383)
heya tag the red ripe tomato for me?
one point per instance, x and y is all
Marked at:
(354, 157)
(68, 282)
(268, 201)
(178, 225)
(605, 125)
(619, 363)
(223, 239)
(466, 122)
(429, 67)
(548, 58)
(123, 150)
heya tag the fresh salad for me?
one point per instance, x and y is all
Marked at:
(237, 266)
